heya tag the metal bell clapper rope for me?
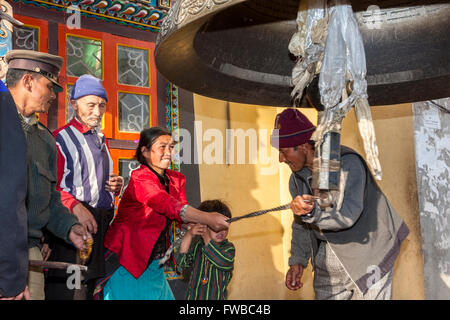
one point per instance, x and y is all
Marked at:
(261, 212)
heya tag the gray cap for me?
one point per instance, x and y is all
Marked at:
(43, 63)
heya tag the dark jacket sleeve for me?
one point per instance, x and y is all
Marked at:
(61, 220)
(13, 186)
(300, 241)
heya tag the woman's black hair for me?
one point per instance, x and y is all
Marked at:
(215, 206)
(147, 139)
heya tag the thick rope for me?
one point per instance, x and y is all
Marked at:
(258, 213)
(178, 238)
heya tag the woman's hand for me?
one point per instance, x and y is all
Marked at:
(216, 221)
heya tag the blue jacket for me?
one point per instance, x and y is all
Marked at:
(13, 188)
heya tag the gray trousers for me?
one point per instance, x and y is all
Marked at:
(331, 281)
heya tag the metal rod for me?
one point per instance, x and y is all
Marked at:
(55, 265)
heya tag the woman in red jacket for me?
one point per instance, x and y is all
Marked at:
(154, 197)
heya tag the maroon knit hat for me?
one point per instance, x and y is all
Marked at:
(294, 129)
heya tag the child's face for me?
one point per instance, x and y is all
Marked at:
(217, 237)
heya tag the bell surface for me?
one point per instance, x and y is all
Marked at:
(237, 50)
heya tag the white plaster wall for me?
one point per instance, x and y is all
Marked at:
(432, 148)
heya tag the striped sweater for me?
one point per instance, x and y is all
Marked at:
(212, 269)
(84, 165)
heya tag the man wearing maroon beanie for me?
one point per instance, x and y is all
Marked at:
(352, 244)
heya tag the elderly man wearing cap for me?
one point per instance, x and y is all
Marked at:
(352, 245)
(32, 81)
(86, 182)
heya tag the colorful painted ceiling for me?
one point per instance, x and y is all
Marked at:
(142, 14)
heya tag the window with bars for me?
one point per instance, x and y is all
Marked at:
(133, 112)
(83, 56)
(32, 36)
(127, 69)
(132, 66)
(26, 38)
(126, 166)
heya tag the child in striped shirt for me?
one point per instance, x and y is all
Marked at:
(211, 257)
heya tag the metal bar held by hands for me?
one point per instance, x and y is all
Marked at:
(55, 265)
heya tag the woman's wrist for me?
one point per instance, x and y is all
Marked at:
(194, 215)
(183, 213)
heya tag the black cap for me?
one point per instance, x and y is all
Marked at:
(43, 63)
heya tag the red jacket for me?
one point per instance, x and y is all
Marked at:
(141, 216)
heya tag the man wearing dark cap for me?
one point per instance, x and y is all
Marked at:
(86, 183)
(32, 81)
(353, 244)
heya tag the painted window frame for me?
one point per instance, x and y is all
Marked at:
(150, 91)
(110, 44)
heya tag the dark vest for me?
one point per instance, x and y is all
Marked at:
(375, 239)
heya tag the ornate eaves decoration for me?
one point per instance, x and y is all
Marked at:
(185, 11)
(138, 14)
